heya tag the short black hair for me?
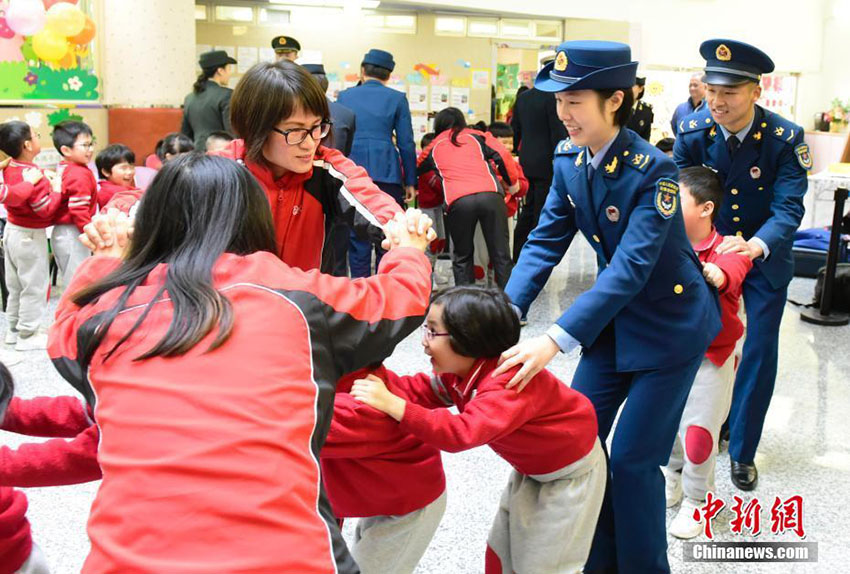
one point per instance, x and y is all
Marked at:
(427, 139)
(13, 136)
(624, 112)
(703, 185)
(220, 135)
(501, 130)
(111, 156)
(174, 143)
(66, 133)
(665, 144)
(373, 71)
(7, 388)
(481, 322)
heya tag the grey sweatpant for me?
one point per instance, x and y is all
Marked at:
(695, 448)
(27, 278)
(384, 544)
(545, 524)
(68, 251)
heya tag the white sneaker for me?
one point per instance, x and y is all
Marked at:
(672, 487)
(37, 342)
(11, 337)
(684, 525)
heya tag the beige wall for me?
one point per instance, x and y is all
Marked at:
(148, 52)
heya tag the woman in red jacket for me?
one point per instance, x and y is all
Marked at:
(213, 366)
(461, 157)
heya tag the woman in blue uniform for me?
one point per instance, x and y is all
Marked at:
(646, 323)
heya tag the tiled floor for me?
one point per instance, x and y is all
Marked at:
(805, 450)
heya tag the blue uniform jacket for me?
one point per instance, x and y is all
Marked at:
(380, 112)
(765, 183)
(651, 287)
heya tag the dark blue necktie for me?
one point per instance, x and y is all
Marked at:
(732, 144)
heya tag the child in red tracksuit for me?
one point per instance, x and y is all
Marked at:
(30, 205)
(547, 432)
(117, 169)
(388, 478)
(50, 463)
(690, 470)
(429, 195)
(73, 140)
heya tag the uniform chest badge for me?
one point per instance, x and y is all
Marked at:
(612, 213)
(666, 197)
(755, 172)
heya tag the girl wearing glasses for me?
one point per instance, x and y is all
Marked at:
(549, 509)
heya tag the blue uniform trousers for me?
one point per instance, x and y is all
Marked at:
(631, 535)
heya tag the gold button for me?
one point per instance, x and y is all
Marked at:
(734, 192)
(596, 238)
(678, 289)
(736, 219)
(739, 233)
(626, 153)
(761, 188)
(734, 206)
(764, 124)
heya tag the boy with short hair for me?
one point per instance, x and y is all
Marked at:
(218, 141)
(74, 141)
(691, 465)
(30, 204)
(116, 165)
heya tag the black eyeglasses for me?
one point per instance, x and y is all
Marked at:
(298, 135)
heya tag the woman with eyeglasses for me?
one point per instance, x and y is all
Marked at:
(281, 115)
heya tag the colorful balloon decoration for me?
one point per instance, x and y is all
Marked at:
(48, 46)
(65, 19)
(26, 17)
(86, 35)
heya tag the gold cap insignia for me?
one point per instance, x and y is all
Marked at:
(723, 53)
(561, 62)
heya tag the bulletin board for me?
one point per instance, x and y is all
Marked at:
(47, 51)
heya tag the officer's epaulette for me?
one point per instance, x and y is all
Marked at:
(695, 123)
(644, 104)
(637, 159)
(566, 147)
(780, 128)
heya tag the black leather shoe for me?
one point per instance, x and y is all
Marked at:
(744, 476)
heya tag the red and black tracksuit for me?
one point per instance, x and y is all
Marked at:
(179, 435)
(469, 169)
(305, 206)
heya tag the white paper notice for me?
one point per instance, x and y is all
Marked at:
(439, 98)
(267, 55)
(418, 97)
(460, 99)
(246, 56)
(420, 126)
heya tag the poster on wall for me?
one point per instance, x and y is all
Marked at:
(47, 51)
(779, 93)
(418, 97)
(460, 98)
(481, 79)
(267, 54)
(421, 126)
(439, 98)
(246, 57)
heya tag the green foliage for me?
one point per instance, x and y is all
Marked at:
(12, 85)
(61, 116)
(70, 84)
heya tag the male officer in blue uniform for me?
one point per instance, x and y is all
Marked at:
(762, 160)
(647, 321)
(381, 112)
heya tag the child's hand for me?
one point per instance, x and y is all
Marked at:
(714, 275)
(108, 233)
(5, 163)
(411, 229)
(32, 175)
(512, 190)
(373, 392)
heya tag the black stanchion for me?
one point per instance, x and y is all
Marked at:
(824, 314)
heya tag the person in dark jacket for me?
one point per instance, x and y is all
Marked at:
(207, 108)
(537, 131)
(341, 137)
(642, 116)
